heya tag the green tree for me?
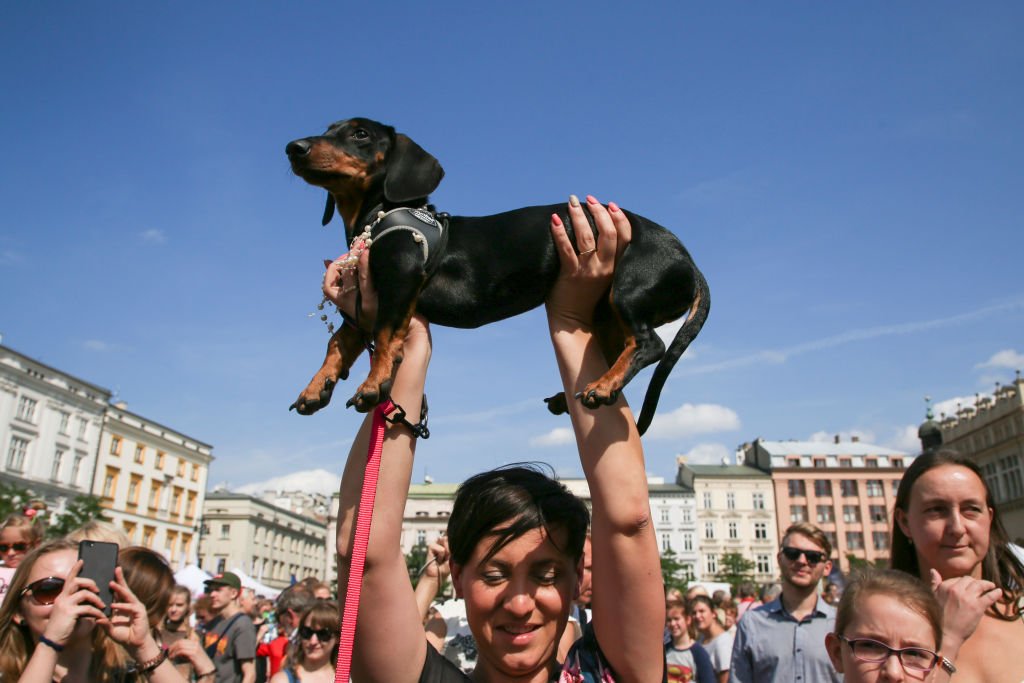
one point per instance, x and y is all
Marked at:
(79, 511)
(735, 569)
(855, 562)
(414, 561)
(674, 574)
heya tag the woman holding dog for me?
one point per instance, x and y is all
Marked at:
(517, 535)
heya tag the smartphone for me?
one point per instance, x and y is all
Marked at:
(100, 559)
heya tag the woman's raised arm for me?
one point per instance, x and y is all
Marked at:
(628, 603)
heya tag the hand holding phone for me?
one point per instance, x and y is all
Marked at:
(100, 559)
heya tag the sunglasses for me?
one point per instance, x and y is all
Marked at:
(322, 634)
(44, 591)
(813, 557)
(16, 547)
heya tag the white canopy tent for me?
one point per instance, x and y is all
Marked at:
(193, 578)
(259, 588)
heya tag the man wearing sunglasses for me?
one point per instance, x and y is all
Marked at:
(230, 638)
(784, 640)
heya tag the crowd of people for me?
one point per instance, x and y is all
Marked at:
(544, 590)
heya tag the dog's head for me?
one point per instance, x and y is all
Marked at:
(353, 156)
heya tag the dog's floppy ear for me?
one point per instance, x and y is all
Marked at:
(329, 209)
(412, 171)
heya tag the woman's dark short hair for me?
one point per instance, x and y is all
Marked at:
(1000, 565)
(507, 502)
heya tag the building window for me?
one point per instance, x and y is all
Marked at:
(83, 425)
(877, 513)
(709, 530)
(1010, 474)
(176, 502)
(826, 515)
(870, 462)
(421, 537)
(160, 457)
(65, 419)
(58, 461)
(897, 462)
(664, 515)
(759, 501)
(874, 488)
(851, 514)
(895, 487)
(155, 491)
(730, 501)
(666, 542)
(793, 462)
(848, 487)
(191, 505)
(797, 487)
(222, 563)
(129, 530)
(823, 488)
(797, 513)
(687, 541)
(687, 515)
(854, 540)
(133, 490)
(819, 462)
(76, 467)
(707, 500)
(140, 453)
(831, 536)
(761, 531)
(764, 564)
(845, 462)
(711, 564)
(181, 467)
(27, 409)
(195, 472)
(734, 530)
(110, 483)
(115, 444)
(16, 454)
(880, 539)
(225, 530)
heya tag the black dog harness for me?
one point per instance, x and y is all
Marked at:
(428, 229)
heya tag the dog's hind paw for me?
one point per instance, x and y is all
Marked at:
(557, 405)
(368, 396)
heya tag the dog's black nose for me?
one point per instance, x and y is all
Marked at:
(297, 148)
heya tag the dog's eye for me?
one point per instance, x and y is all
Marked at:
(360, 134)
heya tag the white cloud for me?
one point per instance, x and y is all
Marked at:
(313, 481)
(710, 454)
(690, 419)
(556, 437)
(1007, 358)
(949, 406)
(844, 435)
(153, 236)
(97, 345)
(905, 439)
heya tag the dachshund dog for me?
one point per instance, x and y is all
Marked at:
(482, 269)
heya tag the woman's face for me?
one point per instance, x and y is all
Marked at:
(677, 622)
(885, 619)
(177, 608)
(948, 521)
(36, 616)
(315, 648)
(703, 616)
(517, 602)
(13, 546)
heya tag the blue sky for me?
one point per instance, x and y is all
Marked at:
(849, 179)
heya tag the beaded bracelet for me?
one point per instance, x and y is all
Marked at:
(146, 667)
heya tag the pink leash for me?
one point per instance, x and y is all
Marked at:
(362, 538)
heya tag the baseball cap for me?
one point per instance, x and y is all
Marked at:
(225, 579)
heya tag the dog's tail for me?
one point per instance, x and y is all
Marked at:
(686, 334)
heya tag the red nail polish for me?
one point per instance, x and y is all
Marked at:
(612, 206)
(591, 199)
(555, 219)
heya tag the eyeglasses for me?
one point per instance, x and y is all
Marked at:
(16, 547)
(911, 658)
(813, 557)
(44, 591)
(322, 634)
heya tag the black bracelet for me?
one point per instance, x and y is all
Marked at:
(146, 667)
(46, 641)
(208, 673)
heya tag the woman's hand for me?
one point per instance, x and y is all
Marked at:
(585, 277)
(128, 624)
(964, 601)
(437, 560)
(77, 600)
(342, 284)
(193, 652)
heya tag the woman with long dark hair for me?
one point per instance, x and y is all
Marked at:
(947, 532)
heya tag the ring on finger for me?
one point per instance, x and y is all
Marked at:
(588, 251)
(349, 289)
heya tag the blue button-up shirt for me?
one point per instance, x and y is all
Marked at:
(771, 645)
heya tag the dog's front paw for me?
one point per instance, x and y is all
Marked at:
(592, 397)
(557, 404)
(369, 395)
(312, 399)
